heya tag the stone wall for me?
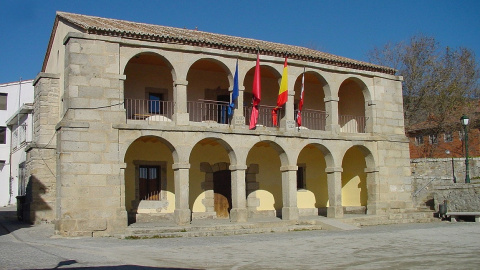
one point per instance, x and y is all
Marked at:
(459, 197)
(430, 173)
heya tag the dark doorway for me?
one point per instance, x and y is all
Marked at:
(149, 183)
(222, 188)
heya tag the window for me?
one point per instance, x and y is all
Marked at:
(433, 138)
(149, 183)
(3, 101)
(301, 181)
(3, 135)
(419, 140)
(448, 137)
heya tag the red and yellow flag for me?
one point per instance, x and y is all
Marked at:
(282, 93)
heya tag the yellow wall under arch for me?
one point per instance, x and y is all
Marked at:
(354, 178)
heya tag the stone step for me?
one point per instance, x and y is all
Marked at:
(147, 233)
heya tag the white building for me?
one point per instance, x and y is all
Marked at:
(16, 100)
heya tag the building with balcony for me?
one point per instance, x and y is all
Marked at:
(15, 133)
(131, 124)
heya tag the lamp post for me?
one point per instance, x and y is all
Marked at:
(453, 166)
(464, 119)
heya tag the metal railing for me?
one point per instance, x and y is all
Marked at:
(208, 111)
(152, 196)
(313, 119)
(352, 123)
(144, 109)
(264, 115)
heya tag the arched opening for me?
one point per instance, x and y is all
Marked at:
(313, 112)
(207, 91)
(312, 188)
(264, 180)
(149, 182)
(210, 180)
(148, 88)
(354, 181)
(270, 83)
(351, 107)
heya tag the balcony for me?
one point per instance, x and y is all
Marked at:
(209, 111)
(352, 123)
(151, 110)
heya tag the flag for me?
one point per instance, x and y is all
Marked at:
(300, 104)
(256, 91)
(235, 91)
(282, 93)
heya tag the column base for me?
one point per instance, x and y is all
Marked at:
(182, 216)
(290, 213)
(181, 119)
(335, 211)
(238, 215)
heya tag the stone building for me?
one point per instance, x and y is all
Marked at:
(130, 124)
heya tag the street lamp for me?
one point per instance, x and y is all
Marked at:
(464, 119)
(453, 166)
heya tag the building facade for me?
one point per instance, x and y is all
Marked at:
(14, 97)
(131, 124)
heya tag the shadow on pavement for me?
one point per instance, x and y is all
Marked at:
(121, 267)
(9, 221)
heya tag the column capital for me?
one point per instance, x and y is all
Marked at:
(372, 170)
(237, 167)
(333, 169)
(179, 166)
(288, 168)
(180, 82)
(329, 99)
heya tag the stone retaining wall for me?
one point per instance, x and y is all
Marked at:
(430, 174)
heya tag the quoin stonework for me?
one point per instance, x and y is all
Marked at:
(131, 125)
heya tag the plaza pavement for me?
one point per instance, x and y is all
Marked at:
(439, 245)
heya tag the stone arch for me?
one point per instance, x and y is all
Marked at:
(316, 88)
(148, 87)
(353, 94)
(208, 156)
(149, 181)
(356, 164)
(264, 178)
(312, 181)
(135, 54)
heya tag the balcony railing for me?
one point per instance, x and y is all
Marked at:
(217, 111)
(313, 119)
(352, 123)
(264, 115)
(208, 111)
(152, 110)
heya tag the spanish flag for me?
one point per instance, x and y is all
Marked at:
(282, 93)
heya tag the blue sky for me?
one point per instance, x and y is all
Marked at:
(345, 28)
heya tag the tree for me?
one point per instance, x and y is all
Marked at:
(437, 82)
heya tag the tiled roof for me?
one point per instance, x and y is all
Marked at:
(157, 33)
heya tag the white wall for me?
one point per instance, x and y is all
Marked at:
(18, 93)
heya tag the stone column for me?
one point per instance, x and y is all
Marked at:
(180, 114)
(287, 123)
(373, 192)
(334, 182)
(331, 106)
(238, 120)
(182, 213)
(289, 192)
(238, 213)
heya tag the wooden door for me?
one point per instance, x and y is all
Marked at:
(222, 188)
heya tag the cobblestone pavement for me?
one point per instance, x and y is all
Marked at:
(441, 245)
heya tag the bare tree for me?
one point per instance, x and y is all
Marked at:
(438, 82)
